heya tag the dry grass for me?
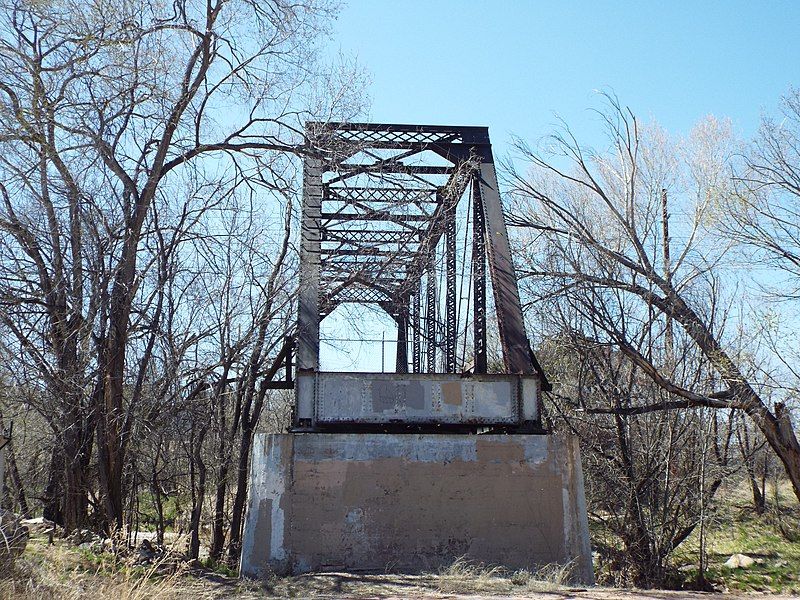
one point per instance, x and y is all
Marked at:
(463, 577)
(63, 572)
(466, 577)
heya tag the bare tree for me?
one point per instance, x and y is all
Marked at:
(252, 310)
(596, 223)
(650, 477)
(116, 124)
(763, 213)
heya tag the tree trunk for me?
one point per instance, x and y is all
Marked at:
(198, 494)
(156, 488)
(237, 513)
(780, 435)
(53, 493)
(777, 429)
(225, 440)
(218, 528)
(16, 480)
(75, 490)
(110, 476)
(159, 510)
(109, 422)
(758, 498)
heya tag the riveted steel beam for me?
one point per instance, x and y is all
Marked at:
(450, 297)
(309, 292)
(478, 279)
(513, 339)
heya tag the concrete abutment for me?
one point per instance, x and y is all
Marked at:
(414, 502)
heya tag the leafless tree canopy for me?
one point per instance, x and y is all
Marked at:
(632, 263)
(147, 184)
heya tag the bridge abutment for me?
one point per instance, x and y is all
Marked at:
(414, 502)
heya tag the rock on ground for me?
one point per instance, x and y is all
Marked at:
(739, 561)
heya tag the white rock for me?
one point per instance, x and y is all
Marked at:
(40, 525)
(739, 561)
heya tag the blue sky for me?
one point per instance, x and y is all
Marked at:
(512, 64)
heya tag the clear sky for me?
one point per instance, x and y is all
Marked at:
(512, 64)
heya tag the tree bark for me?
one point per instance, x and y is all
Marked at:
(198, 484)
(16, 480)
(53, 496)
(781, 437)
(237, 512)
(218, 527)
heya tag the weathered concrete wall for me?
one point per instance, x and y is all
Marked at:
(414, 502)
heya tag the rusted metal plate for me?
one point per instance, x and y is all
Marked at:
(375, 398)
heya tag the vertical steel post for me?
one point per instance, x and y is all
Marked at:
(430, 312)
(478, 278)
(308, 302)
(451, 332)
(401, 358)
(415, 333)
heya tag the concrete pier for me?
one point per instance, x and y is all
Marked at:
(414, 502)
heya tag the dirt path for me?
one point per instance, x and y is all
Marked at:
(420, 587)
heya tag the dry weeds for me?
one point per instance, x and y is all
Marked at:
(466, 577)
(61, 571)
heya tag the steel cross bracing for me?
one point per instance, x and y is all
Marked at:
(379, 226)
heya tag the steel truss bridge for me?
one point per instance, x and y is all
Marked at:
(408, 218)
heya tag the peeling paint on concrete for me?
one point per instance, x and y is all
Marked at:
(500, 449)
(263, 543)
(363, 447)
(582, 544)
(536, 454)
(413, 502)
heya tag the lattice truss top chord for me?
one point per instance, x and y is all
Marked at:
(385, 193)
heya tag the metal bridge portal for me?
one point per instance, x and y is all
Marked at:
(408, 218)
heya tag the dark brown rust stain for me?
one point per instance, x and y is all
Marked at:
(451, 393)
(489, 450)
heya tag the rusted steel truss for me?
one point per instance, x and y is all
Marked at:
(379, 226)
